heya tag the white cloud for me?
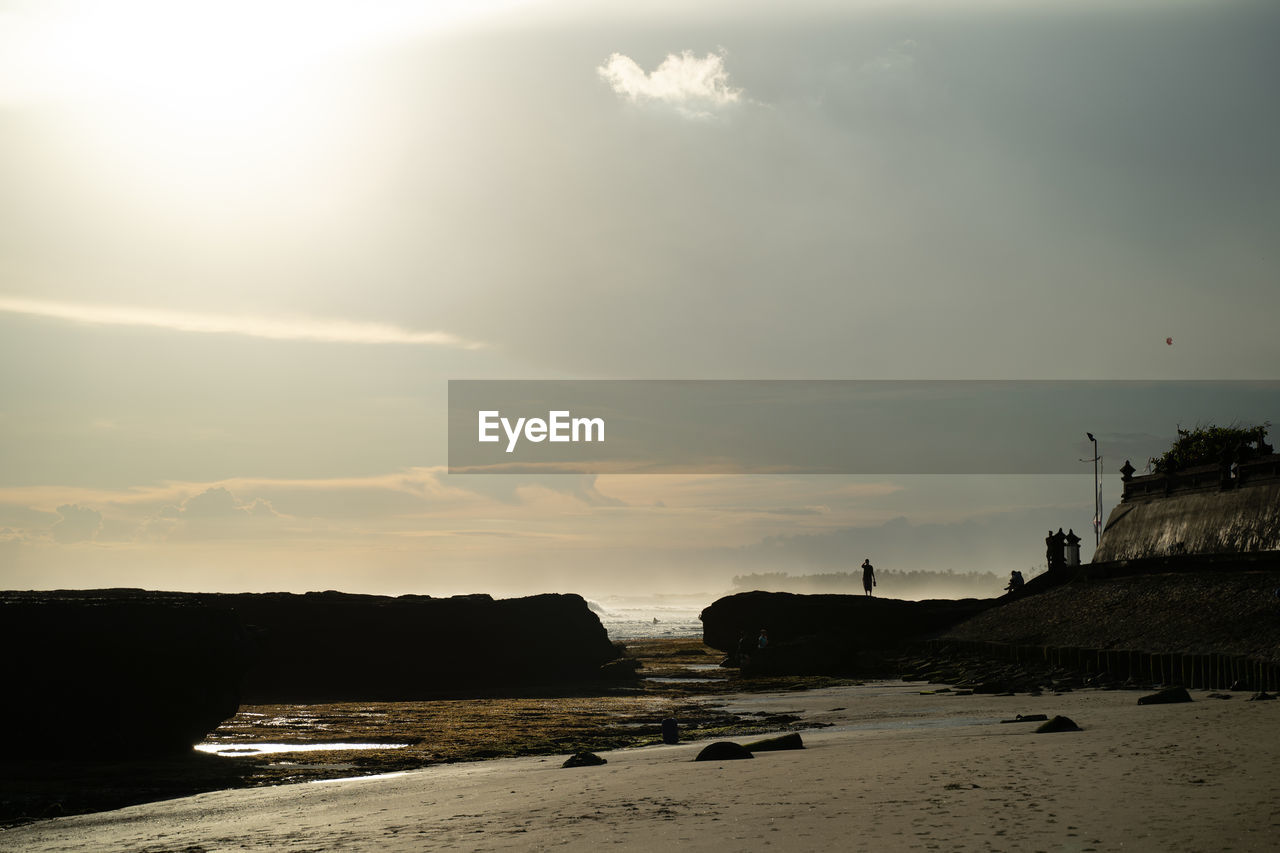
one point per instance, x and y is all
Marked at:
(691, 84)
(215, 514)
(78, 524)
(273, 328)
(219, 502)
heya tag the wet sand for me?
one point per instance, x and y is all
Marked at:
(890, 770)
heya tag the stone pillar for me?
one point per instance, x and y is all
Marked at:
(1073, 549)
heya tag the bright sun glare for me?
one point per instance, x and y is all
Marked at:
(193, 94)
(191, 58)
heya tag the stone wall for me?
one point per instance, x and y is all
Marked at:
(1194, 520)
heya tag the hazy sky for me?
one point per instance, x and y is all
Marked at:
(244, 245)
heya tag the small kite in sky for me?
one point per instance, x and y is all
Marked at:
(1169, 341)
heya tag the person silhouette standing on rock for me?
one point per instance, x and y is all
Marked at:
(868, 575)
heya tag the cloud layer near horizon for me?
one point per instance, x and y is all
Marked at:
(421, 530)
(327, 330)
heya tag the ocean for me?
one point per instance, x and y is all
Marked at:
(649, 618)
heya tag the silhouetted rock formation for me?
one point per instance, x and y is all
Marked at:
(826, 633)
(333, 646)
(1209, 612)
(134, 672)
(115, 672)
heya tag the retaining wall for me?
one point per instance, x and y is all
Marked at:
(1209, 672)
(1241, 520)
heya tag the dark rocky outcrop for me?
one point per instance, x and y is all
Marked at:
(137, 672)
(116, 672)
(1201, 612)
(823, 634)
(332, 646)
(944, 663)
(724, 750)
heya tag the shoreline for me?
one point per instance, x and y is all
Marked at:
(550, 719)
(905, 768)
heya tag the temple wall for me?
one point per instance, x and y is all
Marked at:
(1244, 519)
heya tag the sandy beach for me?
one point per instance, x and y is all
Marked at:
(885, 768)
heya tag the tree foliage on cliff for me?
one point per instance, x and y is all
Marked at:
(1210, 445)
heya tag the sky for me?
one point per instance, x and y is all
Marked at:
(245, 246)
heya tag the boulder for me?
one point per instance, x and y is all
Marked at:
(1167, 696)
(769, 744)
(1058, 724)
(584, 759)
(724, 750)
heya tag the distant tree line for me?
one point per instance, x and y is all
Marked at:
(892, 584)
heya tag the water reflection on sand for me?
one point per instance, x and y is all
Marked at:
(235, 749)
